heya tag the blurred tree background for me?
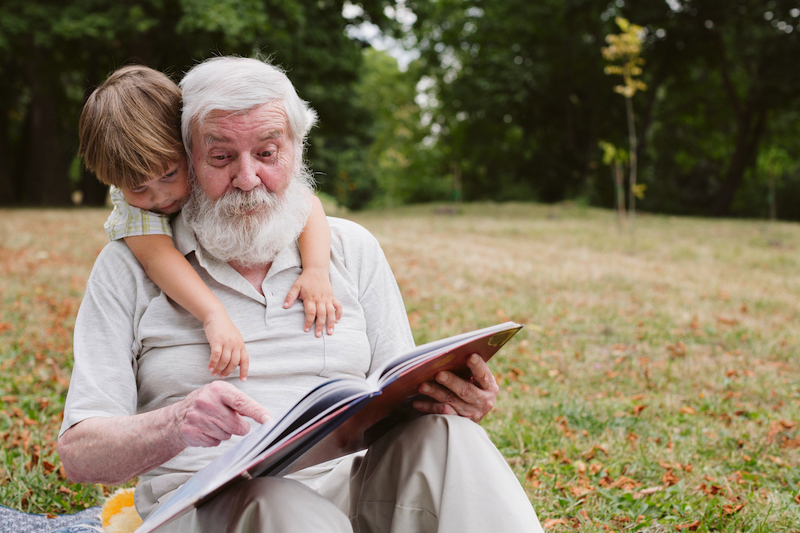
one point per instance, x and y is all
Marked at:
(504, 99)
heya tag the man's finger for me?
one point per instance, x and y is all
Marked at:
(243, 404)
(482, 376)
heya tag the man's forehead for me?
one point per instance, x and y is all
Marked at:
(268, 121)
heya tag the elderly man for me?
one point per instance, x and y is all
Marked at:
(142, 403)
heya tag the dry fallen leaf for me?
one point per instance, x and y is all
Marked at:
(731, 509)
(669, 478)
(551, 522)
(677, 350)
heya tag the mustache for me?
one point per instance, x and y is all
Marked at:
(237, 202)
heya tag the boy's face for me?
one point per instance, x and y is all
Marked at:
(162, 194)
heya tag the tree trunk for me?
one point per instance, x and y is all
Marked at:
(45, 170)
(93, 192)
(773, 212)
(619, 185)
(632, 172)
(749, 132)
(8, 194)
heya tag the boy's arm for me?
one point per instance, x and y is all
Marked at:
(170, 270)
(314, 285)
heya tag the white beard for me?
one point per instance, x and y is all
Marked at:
(226, 230)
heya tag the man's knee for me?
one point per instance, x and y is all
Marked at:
(269, 504)
(439, 429)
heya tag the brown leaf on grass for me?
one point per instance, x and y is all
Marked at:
(669, 478)
(552, 522)
(532, 478)
(595, 468)
(65, 490)
(606, 481)
(778, 426)
(647, 492)
(691, 526)
(638, 409)
(562, 456)
(797, 498)
(731, 509)
(711, 490)
(677, 350)
(8, 399)
(581, 488)
(727, 321)
(676, 466)
(687, 410)
(736, 477)
(563, 425)
(624, 483)
(777, 460)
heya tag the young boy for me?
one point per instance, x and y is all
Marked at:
(130, 138)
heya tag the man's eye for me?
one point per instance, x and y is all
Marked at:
(266, 153)
(219, 157)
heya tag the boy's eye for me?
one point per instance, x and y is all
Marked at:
(139, 189)
(171, 176)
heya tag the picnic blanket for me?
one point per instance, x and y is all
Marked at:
(87, 521)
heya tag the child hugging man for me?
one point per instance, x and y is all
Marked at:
(130, 138)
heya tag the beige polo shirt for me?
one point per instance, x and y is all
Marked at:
(136, 350)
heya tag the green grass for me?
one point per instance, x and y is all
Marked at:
(655, 391)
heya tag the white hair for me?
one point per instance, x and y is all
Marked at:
(237, 85)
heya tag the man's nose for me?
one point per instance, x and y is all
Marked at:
(246, 177)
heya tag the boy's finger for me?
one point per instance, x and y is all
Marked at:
(338, 306)
(331, 317)
(222, 364)
(294, 292)
(216, 353)
(232, 364)
(311, 313)
(244, 364)
(322, 313)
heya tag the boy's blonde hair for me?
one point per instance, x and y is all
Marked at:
(130, 127)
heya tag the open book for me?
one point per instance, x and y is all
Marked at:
(338, 417)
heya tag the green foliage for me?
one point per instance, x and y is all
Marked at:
(53, 53)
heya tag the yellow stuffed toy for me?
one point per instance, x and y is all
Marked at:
(119, 513)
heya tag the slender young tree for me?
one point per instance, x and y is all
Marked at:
(615, 158)
(623, 55)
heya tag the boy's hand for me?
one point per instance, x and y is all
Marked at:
(314, 288)
(227, 346)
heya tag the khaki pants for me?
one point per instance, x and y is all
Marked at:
(435, 474)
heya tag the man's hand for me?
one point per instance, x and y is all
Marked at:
(214, 413)
(452, 395)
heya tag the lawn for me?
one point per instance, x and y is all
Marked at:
(649, 391)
